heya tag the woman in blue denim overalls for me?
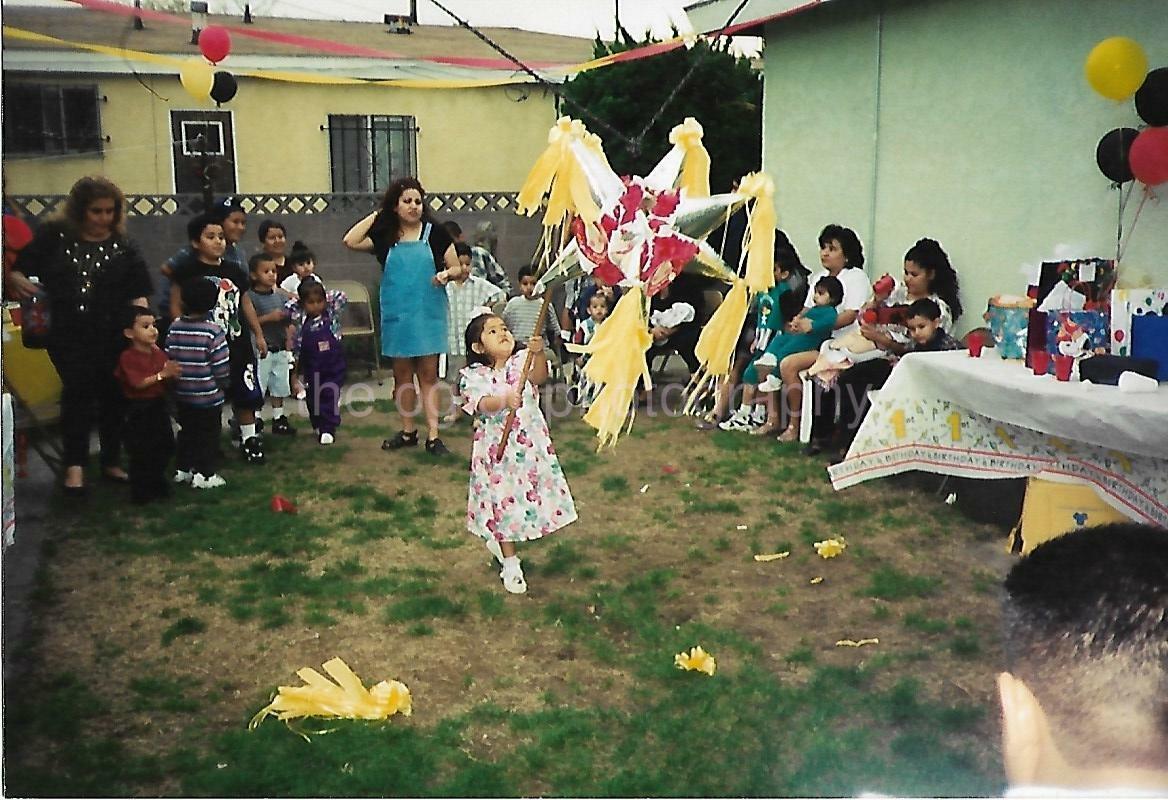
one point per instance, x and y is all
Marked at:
(417, 259)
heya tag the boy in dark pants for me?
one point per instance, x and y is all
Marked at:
(321, 354)
(143, 370)
(200, 347)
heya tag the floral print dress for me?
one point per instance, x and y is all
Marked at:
(525, 495)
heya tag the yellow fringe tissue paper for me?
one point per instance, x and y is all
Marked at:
(696, 660)
(346, 699)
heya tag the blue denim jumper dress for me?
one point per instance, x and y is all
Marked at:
(413, 309)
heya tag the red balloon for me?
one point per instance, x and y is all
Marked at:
(1149, 156)
(214, 43)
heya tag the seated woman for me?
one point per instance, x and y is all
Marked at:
(928, 275)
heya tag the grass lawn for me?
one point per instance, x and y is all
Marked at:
(158, 634)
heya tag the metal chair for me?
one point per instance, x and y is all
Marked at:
(358, 319)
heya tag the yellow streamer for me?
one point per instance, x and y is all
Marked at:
(557, 174)
(347, 698)
(695, 170)
(715, 347)
(760, 244)
(617, 361)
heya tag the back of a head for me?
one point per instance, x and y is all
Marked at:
(199, 296)
(1086, 628)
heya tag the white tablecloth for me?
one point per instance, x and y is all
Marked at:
(986, 417)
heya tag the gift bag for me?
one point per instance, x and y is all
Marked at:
(1075, 333)
(1129, 303)
(1094, 278)
(1149, 339)
(1008, 320)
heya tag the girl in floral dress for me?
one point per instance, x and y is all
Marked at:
(522, 495)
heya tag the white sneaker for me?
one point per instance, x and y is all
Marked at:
(513, 580)
(738, 421)
(201, 481)
(326, 438)
(182, 476)
(771, 384)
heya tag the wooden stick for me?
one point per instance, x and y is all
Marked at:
(539, 324)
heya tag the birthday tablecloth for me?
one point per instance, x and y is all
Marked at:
(990, 418)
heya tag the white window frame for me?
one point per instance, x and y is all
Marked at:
(222, 151)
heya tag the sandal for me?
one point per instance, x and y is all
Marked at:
(791, 434)
(764, 430)
(435, 447)
(401, 439)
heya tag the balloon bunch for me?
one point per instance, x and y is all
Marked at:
(1117, 68)
(200, 78)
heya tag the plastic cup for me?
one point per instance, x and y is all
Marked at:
(1039, 361)
(975, 341)
(1062, 367)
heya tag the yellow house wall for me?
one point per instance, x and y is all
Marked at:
(469, 139)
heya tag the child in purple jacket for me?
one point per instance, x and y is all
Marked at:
(320, 354)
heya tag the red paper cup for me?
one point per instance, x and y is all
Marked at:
(1062, 367)
(15, 315)
(975, 341)
(1040, 361)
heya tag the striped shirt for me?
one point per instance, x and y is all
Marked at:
(200, 347)
(521, 315)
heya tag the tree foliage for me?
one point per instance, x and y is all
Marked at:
(724, 94)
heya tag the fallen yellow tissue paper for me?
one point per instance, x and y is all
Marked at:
(830, 548)
(696, 659)
(346, 699)
(814, 581)
(771, 556)
(853, 643)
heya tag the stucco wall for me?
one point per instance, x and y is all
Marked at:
(969, 121)
(469, 139)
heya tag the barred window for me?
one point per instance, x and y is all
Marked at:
(44, 119)
(370, 152)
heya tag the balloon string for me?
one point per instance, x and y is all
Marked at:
(1127, 239)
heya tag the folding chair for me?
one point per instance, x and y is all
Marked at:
(31, 379)
(358, 319)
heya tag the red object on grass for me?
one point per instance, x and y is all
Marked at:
(1040, 361)
(975, 341)
(1062, 367)
(282, 505)
(669, 469)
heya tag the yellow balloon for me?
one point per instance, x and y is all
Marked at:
(198, 76)
(1116, 67)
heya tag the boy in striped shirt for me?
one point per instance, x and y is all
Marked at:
(200, 348)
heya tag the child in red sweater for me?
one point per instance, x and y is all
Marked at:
(143, 370)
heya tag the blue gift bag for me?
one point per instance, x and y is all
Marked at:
(1149, 339)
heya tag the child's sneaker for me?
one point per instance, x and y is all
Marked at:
(772, 384)
(513, 580)
(201, 481)
(182, 476)
(253, 450)
(738, 421)
(281, 427)
(326, 438)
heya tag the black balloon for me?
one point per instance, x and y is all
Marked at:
(225, 87)
(1152, 98)
(1110, 154)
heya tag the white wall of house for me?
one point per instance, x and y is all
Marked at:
(969, 121)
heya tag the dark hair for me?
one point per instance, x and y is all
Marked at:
(309, 286)
(929, 254)
(199, 223)
(254, 262)
(82, 196)
(1086, 628)
(267, 225)
(300, 254)
(526, 271)
(462, 249)
(849, 242)
(132, 314)
(924, 308)
(199, 295)
(387, 219)
(602, 296)
(474, 335)
(833, 287)
(222, 209)
(453, 228)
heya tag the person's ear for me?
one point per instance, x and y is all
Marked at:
(477, 348)
(128, 333)
(1025, 734)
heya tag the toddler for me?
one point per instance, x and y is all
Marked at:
(925, 322)
(829, 293)
(519, 494)
(599, 307)
(321, 355)
(302, 262)
(274, 367)
(200, 348)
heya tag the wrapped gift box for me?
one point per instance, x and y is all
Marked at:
(1008, 319)
(1129, 303)
(1095, 324)
(1149, 339)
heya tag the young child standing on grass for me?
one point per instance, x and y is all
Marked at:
(321, 354)
(523, 495)
(143, 370)
(275, 366)
(200, 347)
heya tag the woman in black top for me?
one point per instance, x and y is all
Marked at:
(91, 271)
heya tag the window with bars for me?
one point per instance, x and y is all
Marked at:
(42, 119)
(370, 152)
